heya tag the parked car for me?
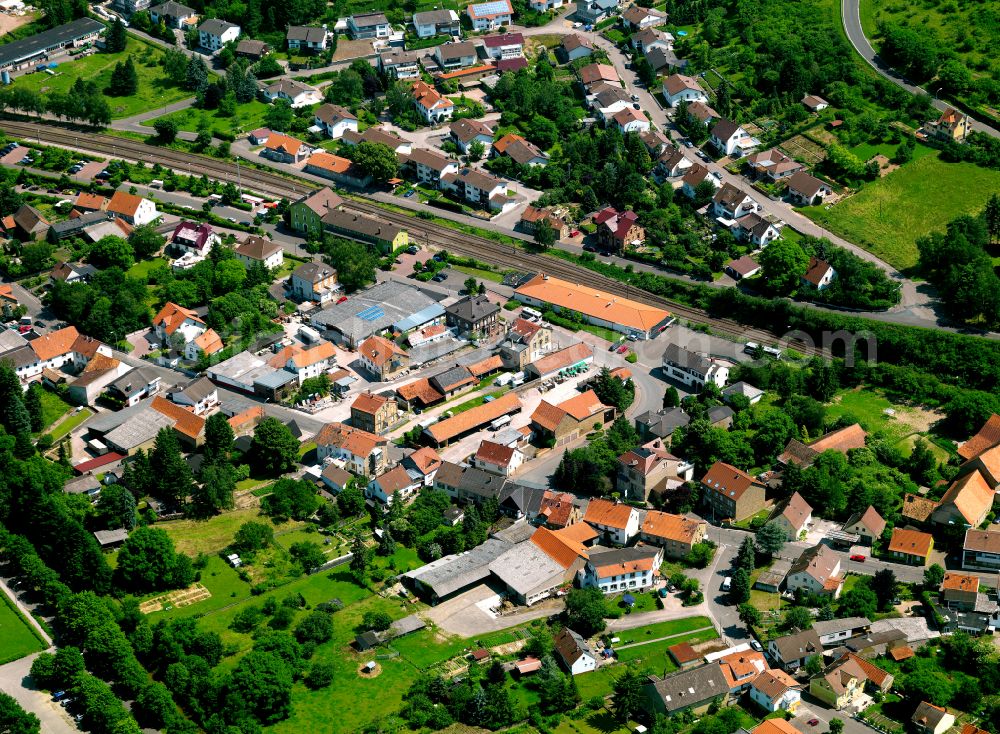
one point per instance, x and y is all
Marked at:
(858, 557)
(341, 299)
(622, 349)
(440, 278)
(413, 249)
(688, 144)
(813, 722)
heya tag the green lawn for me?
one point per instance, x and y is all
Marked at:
(869, 406)
(212, 535)
(70, 423)
(662, 629)
(479, 273)
(249, 116)
(224, 584)
(888, 216)
(155, 90)
(427, 648)
(17, 638)
(142, 268)
(53, 408)
(654, 654)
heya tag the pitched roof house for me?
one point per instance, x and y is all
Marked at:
(731, 492)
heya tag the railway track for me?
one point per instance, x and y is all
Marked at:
(434, 235)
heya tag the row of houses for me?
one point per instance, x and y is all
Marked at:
(92, 216)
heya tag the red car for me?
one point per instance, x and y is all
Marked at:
(341, 299)
(858, 557)
(622, 349)
(813, 722)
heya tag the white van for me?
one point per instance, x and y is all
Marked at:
(727, 583)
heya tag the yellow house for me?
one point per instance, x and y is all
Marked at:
(840, 684)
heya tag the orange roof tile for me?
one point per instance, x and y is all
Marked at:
(483, 366)
(94, 202)
(171, 316)
(911, 542)
(250, 415)
(583, 406)
(277, 141)
(368, 403)
(494, 453)
(419, 389)
(330, 162)
(560, 548)
(739, 668)
(547, 415)
(773, 683)
(990, 460)
(622, 567)
(581, 532)
(608, 514)
(185, 421)
(55, 344)
(281, 357)
(479, 416)
(347, 438)
(125, 203)
(425, 459)
(987, 437)
(101, 362)
(972, 497)
(774, 726)
(378, 350)
(671, 527)
(797, 511)
(318, 353)
(556, 508)
(955, 581)
(902, 653)
(210, 342)
(594, 303)
(727, 480)
(842, 440)
(917, 508)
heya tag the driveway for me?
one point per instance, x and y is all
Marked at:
(467, 615)
(15, 680)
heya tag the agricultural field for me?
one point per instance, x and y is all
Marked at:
(155, 90)
(888, 216)
(17, 639)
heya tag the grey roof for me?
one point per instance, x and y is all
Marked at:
(456, 50)
(87, 484)
(798, 645)
(407, 625)
(719, 413)
(25, 48)
(690, 687)
(133, 381)
(617, 556)
(107, 537)
(473, 308)
(21, 356)
(450, 377)
(106, 421)
(175, 10)
(725, 129)
(10, 340)
(743, 388)
(138, 429)
(833, 626)
(432, 16)
(686, 359)
(526, 568)
(215, 26)
(308, 34)
(368, 20)
(72, 226)
(451, 573)
(571, 646)
(915, 628)
(276, 379)
(523, 499)
(198, 389)
(237, 366)
(383, 305)
(518, 532)
(662, 423)
(469, 479)
(421, 317)
(928, 715)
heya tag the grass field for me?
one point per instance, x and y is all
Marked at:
(869, 408)
(662, 629)
(70, 423)
(888, 216)
(212, 535)
(248, 117)
(53, 408)
(17, 638)
(142, 268)
(155, 90)
(654, 654)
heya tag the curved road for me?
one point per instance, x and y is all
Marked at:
(850, 13)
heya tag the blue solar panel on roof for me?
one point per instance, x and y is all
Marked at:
(371, 313)
(492, 8)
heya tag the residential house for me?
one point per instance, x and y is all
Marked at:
(424, 463)
(931, 719)
(630, 120)
(574, 47)
(910, 546)
(524, 343)
(312, 281)
(671, 163)
(793, 651)
(656, 142)
(312, 362)
(477, 188)
(452, 381)
(731, 493)
(745, 389)
(308, 39)
(176, 322)
(617, 522)
(692, 369)
(214, 33)
(676, 534)
(557, 510)
(361, 452)
(496, 458)
(135, 210)
(334, 120)
(532, 216)
(869, 525)
(959, 590)
(504, 46)
(395, 485)
(491, 15)
(135, 385)
(775, 690)
(841, 440)
(252, 49)
(661, 423)
(840, 685)
(574, 357)
(649, 469)
(694, 689)
(819, 274)
(172, 15)
(817, 571)
(294, 92)
(433, 107)
(256, 249)
(285, 149)
(952, 125)
(607, 98)
(814, 103)
(379, 135)
(617, 231)
(679, 88)
(431, 167)
(743, 267)
(87, 387)
(368, 25)
(807, 190)
(731, 139)
(773, 165)
(383, 236)
(382, 358)
(833, 632)
(967, 502)
(199, 396)
(467, 131)
(731, 203)
(740, 667)
(986, 463)
(593, 74)
(205, 344)
(795, 517)
(981, 550)
(196, 238)
(374, 413)
(259, 136)
(400, 64)
(694, 177)
(592, 12)
(431, 23)
(638, 18)
(467, 484)
(474, 314)
(622, 569)
(545, 6)
(575, 652)
(562, 424)
(520, 150)
(755, 229)
(456, 55)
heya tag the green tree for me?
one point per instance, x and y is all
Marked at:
(376, 160)
(320, 675)
(145, 241)
(215, 491)
(739, 589)
(585, 611)
(476, 150)
(124, 79)
(219, 438)
(628, 694)
(154, 707)
(360, 558)
(545, 234)
(750, 615)
(858, 602)
(261, 686)
(746, 556)
(116, 38)
(933, 576)
(797, 618)
(354, 262)
(351, 501)
(290, 498)
(771, 538)
(14, 719)
(33, 404)
(274, 450)
(376, 620)
(671, 399)
(118, 506)
(36, 256)
(112, 252)
(196, 75)
(172, 478)
(10, 199)
(991, 215)
(783, 266)
(252, 537)
(836, 725)
(147, 561)
(470, 285)
(315, 627)
(885, 586)
(309, 554)
(166, 130)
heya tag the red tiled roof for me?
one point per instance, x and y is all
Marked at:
(608, 514)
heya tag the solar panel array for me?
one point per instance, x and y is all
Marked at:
(372, 313)
(496, 7)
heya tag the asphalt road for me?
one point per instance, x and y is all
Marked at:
(15, 680)
(850, 11)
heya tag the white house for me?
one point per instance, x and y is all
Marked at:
(795, 517)
(433, 107)
(775, 690)
(476, 187)
(431, 167)
(817, 571)
(618, 522)
(638, 18)
(693, 369)
(496, 458)
(173, 14)
(456, 55)
(369, 25)
(630, 120)
(731, 139)
(401, 64)
(544, 6)
(807, 190)
(819, 274)
(755, 229)
(334, 120)
(213, 34)
(576, 654)
(295, 93)
(200, 395)
(395, 485)
(622, 569)
(361, 452)
(504, 46)
(256, 249)
(466, 131)
(678, 88)
(490, 15)
(135, 210)
(437, 23)
(196, 238)
(731, 203)
(306, 38)
(176, 320)
(312, 362)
